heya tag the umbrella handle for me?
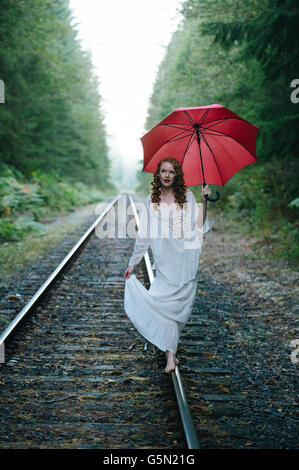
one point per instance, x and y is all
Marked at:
(211, 198)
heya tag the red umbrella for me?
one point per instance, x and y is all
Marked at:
(211, 142)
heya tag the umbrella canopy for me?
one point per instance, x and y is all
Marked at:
(211, 142)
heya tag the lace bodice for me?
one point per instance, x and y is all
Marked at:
(174, 216)
(175, 219)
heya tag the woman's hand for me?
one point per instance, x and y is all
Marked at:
(129, 271)
(205, 190)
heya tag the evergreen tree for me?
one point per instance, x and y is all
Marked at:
(51, 120)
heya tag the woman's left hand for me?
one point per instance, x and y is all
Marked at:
(205, 190)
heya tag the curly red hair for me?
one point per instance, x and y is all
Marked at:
(179, 186)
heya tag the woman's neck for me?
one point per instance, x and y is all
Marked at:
(167, 192)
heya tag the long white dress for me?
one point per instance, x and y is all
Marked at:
(161, 312)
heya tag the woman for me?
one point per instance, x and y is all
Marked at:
(161, 312)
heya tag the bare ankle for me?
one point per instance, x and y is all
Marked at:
(169, 353)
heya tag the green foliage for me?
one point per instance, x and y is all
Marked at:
(7, 231)
(258, 199)
(294, 203)
(266, 31)
(16, 230)
(16, 196)
(243, 55)
(289, 234)
(24, 204)
(52, 118)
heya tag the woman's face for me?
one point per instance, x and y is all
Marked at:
(167, 174)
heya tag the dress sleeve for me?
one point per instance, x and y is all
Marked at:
(208, 224)
(142, 239)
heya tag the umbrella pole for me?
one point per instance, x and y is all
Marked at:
(203, 175)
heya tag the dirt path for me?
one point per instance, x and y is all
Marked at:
(230, 258)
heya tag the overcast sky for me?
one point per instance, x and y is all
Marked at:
(127, 39)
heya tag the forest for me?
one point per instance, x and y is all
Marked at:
(243, 55)
(54, 153)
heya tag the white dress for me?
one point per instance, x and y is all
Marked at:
(161, 312)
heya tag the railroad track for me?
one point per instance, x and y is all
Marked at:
(77, 373)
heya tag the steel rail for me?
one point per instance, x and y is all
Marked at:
(186, 418)
(15, 323)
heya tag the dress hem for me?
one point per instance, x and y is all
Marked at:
(155, 343)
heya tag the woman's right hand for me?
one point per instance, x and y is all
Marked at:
(129, 271)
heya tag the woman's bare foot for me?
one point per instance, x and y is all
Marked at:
(171, 361)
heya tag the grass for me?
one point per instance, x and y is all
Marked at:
(33, 246)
